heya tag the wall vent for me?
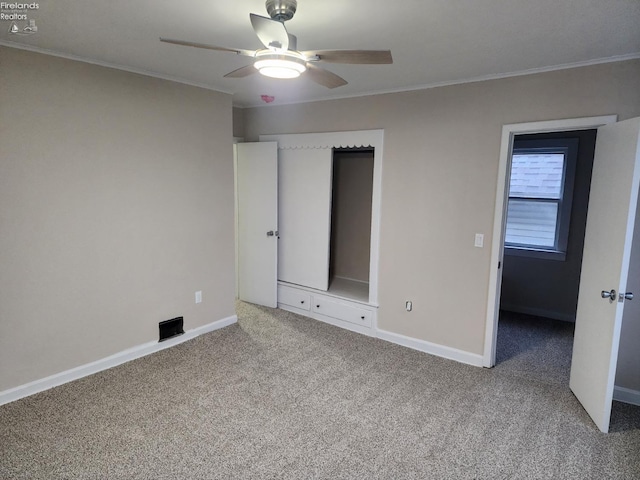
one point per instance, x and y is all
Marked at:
(171, 328)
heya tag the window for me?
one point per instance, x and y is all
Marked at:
(540, 194)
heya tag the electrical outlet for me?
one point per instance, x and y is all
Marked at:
(409, 305)
(199, 296)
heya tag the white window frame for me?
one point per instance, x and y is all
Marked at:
(569, 148)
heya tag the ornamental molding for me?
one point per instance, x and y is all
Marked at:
(322, 141)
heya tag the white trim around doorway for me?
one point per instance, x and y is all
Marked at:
(497, 243)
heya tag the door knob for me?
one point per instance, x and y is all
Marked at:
(610, 295)
(625, 296)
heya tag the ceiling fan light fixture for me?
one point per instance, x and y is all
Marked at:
(281, 59)
(281, 10)
(280, 66)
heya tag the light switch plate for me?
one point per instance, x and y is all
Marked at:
(199, 296)
(479, 242)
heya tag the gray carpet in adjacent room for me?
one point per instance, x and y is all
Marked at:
(282, 396)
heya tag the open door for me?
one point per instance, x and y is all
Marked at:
(607, 249)
(305, 177)
(257, 203)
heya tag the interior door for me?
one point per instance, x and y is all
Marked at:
(305, 177)
(257, 216)
(603, 279)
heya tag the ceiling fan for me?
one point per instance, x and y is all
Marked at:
(280, 57)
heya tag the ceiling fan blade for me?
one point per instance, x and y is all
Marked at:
(242, 72)
(271, 33)
(364, 57)
(324, 77)
(239, 51)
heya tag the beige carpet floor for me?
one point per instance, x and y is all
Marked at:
(282, 396)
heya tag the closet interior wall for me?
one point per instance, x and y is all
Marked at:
(351, 209)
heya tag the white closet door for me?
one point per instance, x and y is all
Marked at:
(257, 217)
(304, 215)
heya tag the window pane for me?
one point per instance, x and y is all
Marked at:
(537, 175)
(531, 223)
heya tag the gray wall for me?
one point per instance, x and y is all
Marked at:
(441, 152)
(116, 200)
(116, 205)
(238, 122)
(351, 215)
(549, 288)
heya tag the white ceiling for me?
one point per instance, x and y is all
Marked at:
(433, 42)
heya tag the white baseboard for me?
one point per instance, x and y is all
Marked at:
(421, 345)
(432, 348)
(626, 395)
(111, 361)
(540, 312)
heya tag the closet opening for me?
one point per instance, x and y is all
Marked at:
(351, 213)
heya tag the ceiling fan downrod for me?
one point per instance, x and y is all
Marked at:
(281, 10)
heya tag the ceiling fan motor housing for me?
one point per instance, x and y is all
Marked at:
(281, 10)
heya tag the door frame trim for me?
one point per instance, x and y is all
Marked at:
(502, 187)
(236, 140)
(355, 138)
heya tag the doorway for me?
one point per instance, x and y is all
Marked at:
(288, 154)
(606, 257)
(509, 133)
(550, 178)
(351, 212)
